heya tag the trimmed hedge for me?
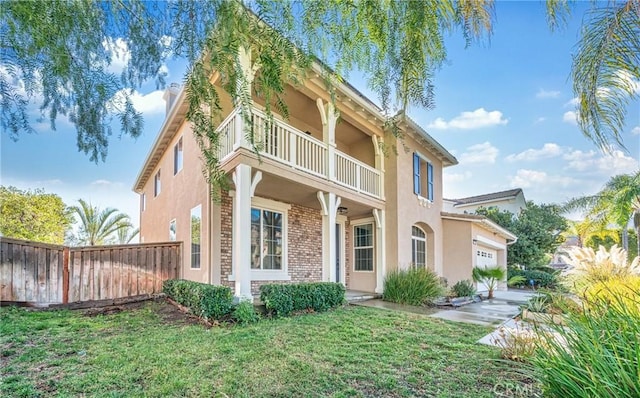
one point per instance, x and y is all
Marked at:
(283, 299)
(540, 278)
(204, 300)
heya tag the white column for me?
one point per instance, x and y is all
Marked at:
(379, 216)
(329, 203)
(379, 159)
(329, 117)
(241, 228)
(249, 69)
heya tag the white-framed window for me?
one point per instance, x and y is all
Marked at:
(422, 177)
(267, 233)
(177, 157)
(143, 201)
(156, 184)
(172, 230)
(196, 236)
(363, 247)
(418, 247)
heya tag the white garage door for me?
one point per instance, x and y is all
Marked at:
(486, 257)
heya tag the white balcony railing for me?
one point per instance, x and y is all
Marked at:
(286, 144)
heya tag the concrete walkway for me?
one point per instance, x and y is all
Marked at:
(504, 306)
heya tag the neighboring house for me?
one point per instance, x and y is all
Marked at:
(321, 203)
(512, 200)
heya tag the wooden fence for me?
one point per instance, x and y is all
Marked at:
(44, 274)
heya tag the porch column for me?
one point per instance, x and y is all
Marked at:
(241, 228)
(379, 159)
(329, 203)
(378, 215)
(329, 117)
(249, 70)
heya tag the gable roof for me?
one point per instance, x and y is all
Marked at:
(485, 222)
(511, 193)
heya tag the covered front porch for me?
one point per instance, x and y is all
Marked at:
(282, 230)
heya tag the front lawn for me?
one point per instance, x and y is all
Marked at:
(152, 351)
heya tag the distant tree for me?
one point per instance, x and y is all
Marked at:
(98, 226)
(538, 228)
(33, 215)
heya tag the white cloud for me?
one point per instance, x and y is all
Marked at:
(542, 93)
(540, 180)
(450, 178)
(540, 120)
(151, 103)
(601, 163)
(573, 102)
(635, 130)
(570, 117)
(480, 153)
(470, 120)
(120, 54)
(628, 81)
(548, 150)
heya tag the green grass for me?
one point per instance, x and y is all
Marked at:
(351, 351)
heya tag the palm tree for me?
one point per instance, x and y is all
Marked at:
(489, 276)
(606, 67)
(586, 230)
(97, 225)
(614, 204)
(126, 233)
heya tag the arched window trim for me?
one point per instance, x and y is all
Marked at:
(418, 246)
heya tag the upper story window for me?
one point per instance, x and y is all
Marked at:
(422, 177)
(363, 247)
(418, 247)
(172, 230)
(177, 157)
(266, 239)
(196, 236)
(156, 184)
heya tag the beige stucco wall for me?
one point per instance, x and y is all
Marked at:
(404, 209)
(178, 195)
(458, 250)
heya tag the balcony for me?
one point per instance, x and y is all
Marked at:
(286, 144)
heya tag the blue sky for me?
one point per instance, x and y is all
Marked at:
(503, 108)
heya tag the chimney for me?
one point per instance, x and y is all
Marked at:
(170, 95)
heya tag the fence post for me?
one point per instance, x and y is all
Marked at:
(65, 275)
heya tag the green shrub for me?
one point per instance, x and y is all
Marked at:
(245, 313)
(414, 286)
(540, 278)
(463, 288)
(204, 300)
(596, 354)
(283, 299)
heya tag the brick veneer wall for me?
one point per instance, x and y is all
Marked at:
(304, 232)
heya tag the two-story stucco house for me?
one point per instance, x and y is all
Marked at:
(322, 202)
